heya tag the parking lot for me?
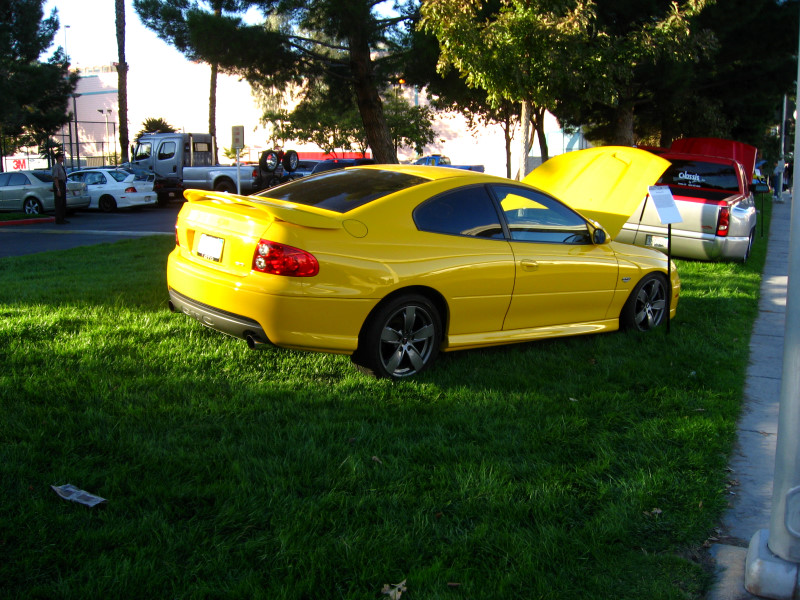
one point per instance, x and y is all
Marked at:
(86, 228)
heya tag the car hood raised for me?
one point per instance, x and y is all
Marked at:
(606, 184)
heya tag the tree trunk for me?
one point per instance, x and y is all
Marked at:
(122, 80)
(507, 123)
(369, 102)
(524, 139)
(212, 95)
(623, 125)
(212, 111)
(537, 116)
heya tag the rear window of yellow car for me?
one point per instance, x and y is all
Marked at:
(342, 191)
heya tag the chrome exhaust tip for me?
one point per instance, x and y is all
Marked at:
(253, 342)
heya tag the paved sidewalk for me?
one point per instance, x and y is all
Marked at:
(753, 462)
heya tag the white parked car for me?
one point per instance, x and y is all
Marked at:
(110, 189)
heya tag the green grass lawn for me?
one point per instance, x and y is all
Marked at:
(588, 467)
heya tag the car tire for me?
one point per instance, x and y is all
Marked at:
(268, 161)
(225, 186)
(107, 203)
(400, 339)
(647, 305)
(290, 161)
(32, 206)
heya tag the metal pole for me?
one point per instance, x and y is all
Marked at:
(77, 137)
(782, 166)
(669, 273)
(71, 149)
(771, 568)
(106, 146)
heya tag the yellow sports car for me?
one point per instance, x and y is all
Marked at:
(393, 263)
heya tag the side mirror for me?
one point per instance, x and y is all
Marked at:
(599, 236)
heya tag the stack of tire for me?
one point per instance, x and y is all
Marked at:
(270, 162)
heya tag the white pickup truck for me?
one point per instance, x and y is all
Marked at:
(711, 182)
(186, 161)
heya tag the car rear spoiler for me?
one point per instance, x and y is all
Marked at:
(278, 210)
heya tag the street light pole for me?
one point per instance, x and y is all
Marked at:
(69, 123)
(105, 112)
(77, 135)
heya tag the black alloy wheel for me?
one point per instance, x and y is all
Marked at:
(401, 339)
(107, 203)
(647, 304)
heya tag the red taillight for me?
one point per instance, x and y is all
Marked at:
(254, 173)
(130, 190)
(723, 220)
(279, 259)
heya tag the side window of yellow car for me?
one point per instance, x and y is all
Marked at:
(535, 217)
(466, 211)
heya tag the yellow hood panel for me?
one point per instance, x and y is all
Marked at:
(605, 184)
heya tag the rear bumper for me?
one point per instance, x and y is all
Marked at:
(262, 308)
(687, 244)
(219, 320)
(130, 199)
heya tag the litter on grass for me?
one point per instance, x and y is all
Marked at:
(70, 492)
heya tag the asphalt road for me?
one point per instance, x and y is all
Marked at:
(86, 228)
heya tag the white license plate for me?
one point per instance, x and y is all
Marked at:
(210, 247)
(657, 241)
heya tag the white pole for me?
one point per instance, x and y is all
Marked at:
(771, 568)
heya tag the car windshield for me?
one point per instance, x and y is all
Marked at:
(343, 190)
(701, 174)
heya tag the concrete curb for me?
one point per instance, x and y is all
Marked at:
(753, 460)
(31, 221)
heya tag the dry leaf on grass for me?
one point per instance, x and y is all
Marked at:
(394, 591)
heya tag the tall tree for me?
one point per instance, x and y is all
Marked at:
(122, 79)
(587, 61)
(168, 18)
(631, 47)
(742, 81)
(34, 95)
(517, 50)
(310, 40)
(447, 91)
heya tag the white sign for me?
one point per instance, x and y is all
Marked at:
(665, 204)
(237, 133)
